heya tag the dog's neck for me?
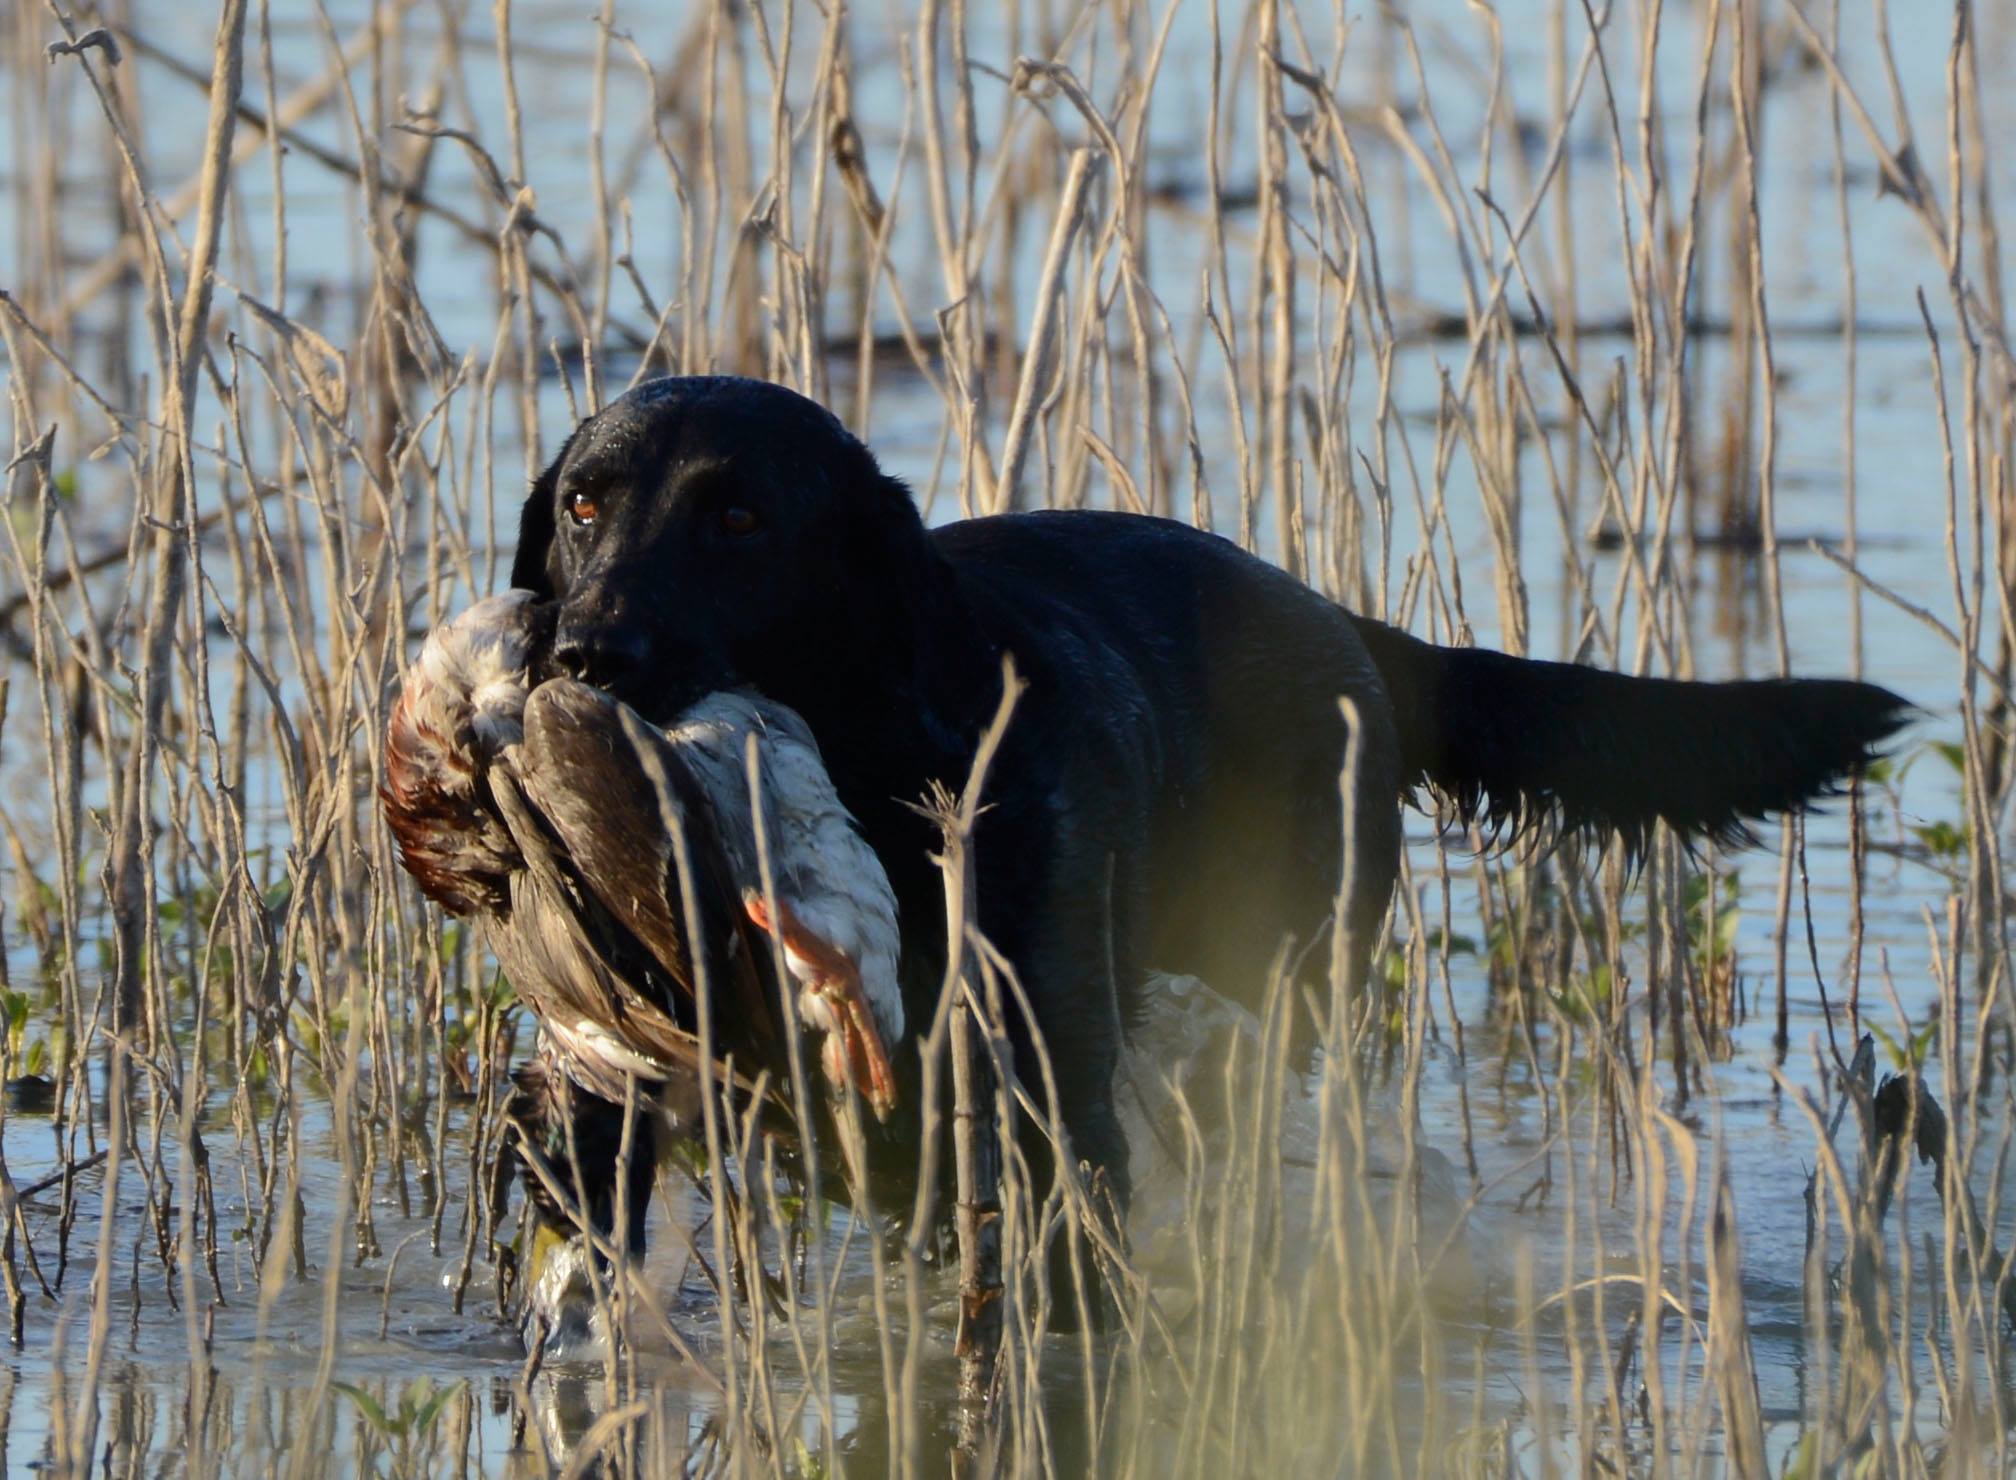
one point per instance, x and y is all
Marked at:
(906, 706)
(900, 678)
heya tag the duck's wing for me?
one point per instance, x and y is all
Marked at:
(578, 969)
(605, 790)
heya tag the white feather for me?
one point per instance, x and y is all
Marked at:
(822, 866)
(481, 662)
(590, 1046)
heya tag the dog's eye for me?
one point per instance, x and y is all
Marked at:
(581, 507)
(740, 521)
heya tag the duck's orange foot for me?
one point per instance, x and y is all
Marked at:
(832, 999)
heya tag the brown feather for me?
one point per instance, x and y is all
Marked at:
(582, 773)
(435, 804)
(561, 964)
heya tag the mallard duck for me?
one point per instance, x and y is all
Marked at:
(552, 812)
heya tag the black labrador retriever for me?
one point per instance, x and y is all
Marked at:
(1168, 793)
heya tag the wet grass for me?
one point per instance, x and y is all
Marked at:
(1471, 327)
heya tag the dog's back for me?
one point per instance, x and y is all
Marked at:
(1211, 681)
(1199, 688)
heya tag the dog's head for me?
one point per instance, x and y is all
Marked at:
(708, 531)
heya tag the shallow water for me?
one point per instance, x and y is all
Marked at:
(394, 1321)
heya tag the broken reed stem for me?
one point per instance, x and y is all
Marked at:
(977, 1148)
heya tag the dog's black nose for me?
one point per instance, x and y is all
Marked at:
(603, 655)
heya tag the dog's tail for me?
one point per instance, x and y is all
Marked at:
(1554, 749)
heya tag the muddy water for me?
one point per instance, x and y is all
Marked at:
(395, 1319)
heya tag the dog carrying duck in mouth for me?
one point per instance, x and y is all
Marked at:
(622, 870)
(716, 585)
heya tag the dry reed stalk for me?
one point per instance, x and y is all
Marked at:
(288, 1110)
(1040, 352)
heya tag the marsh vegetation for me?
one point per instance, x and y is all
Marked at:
(1671, 338)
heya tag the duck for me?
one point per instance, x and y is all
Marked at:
(563, 822)
(545, 809)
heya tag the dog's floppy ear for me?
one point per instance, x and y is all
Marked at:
(535, 531)
(901, 594)
(884, 543)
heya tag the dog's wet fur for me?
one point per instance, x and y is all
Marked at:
(1167, 796)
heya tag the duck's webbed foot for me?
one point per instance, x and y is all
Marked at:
(561, 1295)
(831, 999)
